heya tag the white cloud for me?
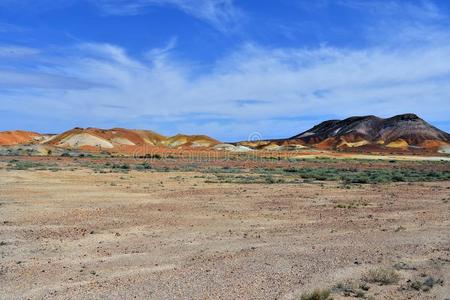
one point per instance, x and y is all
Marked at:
(157, 53)
(12, 51)
(423, 10)
(283, 84)
(221, 14)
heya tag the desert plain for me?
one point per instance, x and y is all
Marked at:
(109, 228)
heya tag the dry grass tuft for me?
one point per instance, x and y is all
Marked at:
(316, 295)
(382, 276)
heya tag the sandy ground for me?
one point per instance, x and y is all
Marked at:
(169, 235)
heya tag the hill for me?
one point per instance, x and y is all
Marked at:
(406, 132)
(125, 140)
(16, 137)
(401, 131)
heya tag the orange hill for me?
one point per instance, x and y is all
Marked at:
(126, 140)
(16, 137)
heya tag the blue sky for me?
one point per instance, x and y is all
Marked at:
(224, 68)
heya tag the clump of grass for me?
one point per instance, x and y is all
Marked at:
(351, 289)
(117, 168)
(353, 204)
(54, 169)
(122, 166)
(360, 294)
(340, 206)
(248, 179)
(403, 266)
(142, 167)
(223, 170)
(400, 228)
(318, 294)
(382, 276)
(151, 156)
(15, 164)
(425, 285)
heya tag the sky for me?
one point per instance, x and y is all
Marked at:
(228, 69)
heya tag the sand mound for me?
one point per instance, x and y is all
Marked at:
(346, 144)
(272, 147)
(400, 143)
(231, 148)
(293, 147)
(189, 140)
(85, 139)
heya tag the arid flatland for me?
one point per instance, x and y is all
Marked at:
(110, 228)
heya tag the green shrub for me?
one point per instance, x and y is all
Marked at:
(23, 165)
(143, 166)
(123, 167)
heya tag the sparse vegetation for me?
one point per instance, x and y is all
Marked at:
(15, 164)
(248, 179)
(121, 166)
(425, 284)
(318, 294)
(352, 204)
(142, 167)
(349, 289)
(308, 175)
(22, 165)
(349, 176)
(403, 266)
(382, 276)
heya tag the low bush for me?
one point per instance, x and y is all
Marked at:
(142, 167)
(382, 276)
(426, 284)
(25, 165)
(318, 294)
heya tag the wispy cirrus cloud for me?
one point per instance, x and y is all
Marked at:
(13, 51)
(424, 9)
(222, 14)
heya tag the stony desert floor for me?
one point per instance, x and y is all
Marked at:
(81, 234)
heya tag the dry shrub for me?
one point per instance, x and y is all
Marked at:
(382, 276)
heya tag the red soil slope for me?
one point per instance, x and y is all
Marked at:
(17, 137)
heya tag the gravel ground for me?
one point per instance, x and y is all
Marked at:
(170, 235)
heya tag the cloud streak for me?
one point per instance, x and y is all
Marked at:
(222, 14)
